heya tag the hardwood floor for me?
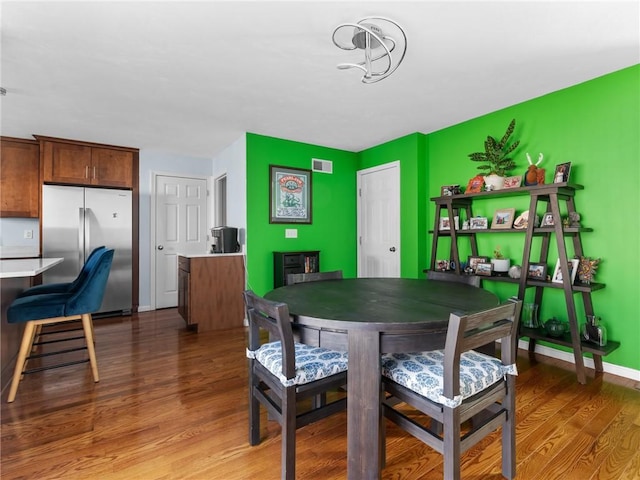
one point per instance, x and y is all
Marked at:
(172, 404)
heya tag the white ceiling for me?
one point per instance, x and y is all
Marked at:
(191, 77)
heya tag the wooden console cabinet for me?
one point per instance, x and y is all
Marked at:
(285, 263)
(210, 291)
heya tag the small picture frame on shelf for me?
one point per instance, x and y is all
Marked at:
(473, 261)
(503, 218)
(562, 173)
(478, 223)
(442, 265)
(573, 269)
(475, 184)
(484, 269)
(513, 182)
(445, 223)
(547, 220)
(537, 271)
(449, 190)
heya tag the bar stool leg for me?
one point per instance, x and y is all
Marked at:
(87, 325)
(25, 348)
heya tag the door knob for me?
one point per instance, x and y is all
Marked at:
(392, 249)
(160, 247)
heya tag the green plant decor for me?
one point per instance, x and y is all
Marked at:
(495, 154)
(497, 253)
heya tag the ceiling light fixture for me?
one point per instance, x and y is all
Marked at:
(3, 91)
(374, 36)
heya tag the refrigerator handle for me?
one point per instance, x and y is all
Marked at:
(87, 231)
(81, 237)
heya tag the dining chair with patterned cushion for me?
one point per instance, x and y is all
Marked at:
(282, 373)
(457, 383)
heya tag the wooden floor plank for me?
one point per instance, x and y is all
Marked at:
(171, 404)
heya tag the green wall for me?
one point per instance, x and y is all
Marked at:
(333, 228)
(595, 126)
(410, 152)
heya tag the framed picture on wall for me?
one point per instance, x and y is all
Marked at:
(289, 195)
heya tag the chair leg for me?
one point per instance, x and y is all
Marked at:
(87, 325)
(254, 410)
(509, 432)
(289, 434)
(36, 337)
(25, 348)
(451, 446)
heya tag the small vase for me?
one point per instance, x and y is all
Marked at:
(501, 265)
(594, 331)
(530, 315)
(494, 182)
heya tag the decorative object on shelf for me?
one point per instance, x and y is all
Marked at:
(465, 225)
(522, 221)
(594, 331)
(473, 261)
(515, 271)
(534, 174)
(500, 263)
(537, 271)
(496, 159)
(449, 190)
(547, 220)
(442, 265)
(587, 268)
(555, 327)
(475, 184)
(530, 315)
(574, 219)
(513, 182)
(478, 223)
(484, 269)
(503, 218)
(378, 37)
(445, 224)
(562, 173)
(289, 195)
(573, 269)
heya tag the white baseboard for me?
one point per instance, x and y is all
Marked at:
(588, 362)
(145, 308)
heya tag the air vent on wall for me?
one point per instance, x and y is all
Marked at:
(324, 166)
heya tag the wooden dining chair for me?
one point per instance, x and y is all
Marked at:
(283, 373)
(454, 384)
(294, 278)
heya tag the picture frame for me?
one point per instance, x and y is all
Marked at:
(547, 220)
(473, 261)
(445, 224)
(478, 223)
(475, 184)
(561, 174)
(503, 218)
(449, 190)
(537, 271)
(484, 269)
(573, 269)
(513, 182)
(290, 194)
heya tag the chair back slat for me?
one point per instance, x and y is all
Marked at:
(466, 332)
(294, 278)
(273, 317)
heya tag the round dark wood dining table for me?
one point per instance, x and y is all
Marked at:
(367, 317)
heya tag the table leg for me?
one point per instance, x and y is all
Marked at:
(364, 410)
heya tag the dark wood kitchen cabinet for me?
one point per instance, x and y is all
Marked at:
(20, 178)
(82, 163)
(210, 291)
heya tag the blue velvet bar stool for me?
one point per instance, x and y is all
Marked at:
(49, 308)
(68, 286)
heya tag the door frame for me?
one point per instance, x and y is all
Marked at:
(152, 224)
(384, 166)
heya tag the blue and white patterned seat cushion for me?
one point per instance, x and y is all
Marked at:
(312, 363)
(422, 372)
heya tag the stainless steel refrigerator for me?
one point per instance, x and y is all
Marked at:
(75, 220)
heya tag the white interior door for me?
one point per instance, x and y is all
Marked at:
(181, 228)
(379, 221)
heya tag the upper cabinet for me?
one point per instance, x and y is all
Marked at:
(83, 163)
(20, 167)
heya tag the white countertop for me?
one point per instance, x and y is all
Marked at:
(26, 267)
(199, 255)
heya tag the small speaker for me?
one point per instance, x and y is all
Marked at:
(324, 166)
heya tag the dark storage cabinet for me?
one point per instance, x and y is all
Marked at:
(285, 263)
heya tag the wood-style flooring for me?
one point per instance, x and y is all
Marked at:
(172, 404)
